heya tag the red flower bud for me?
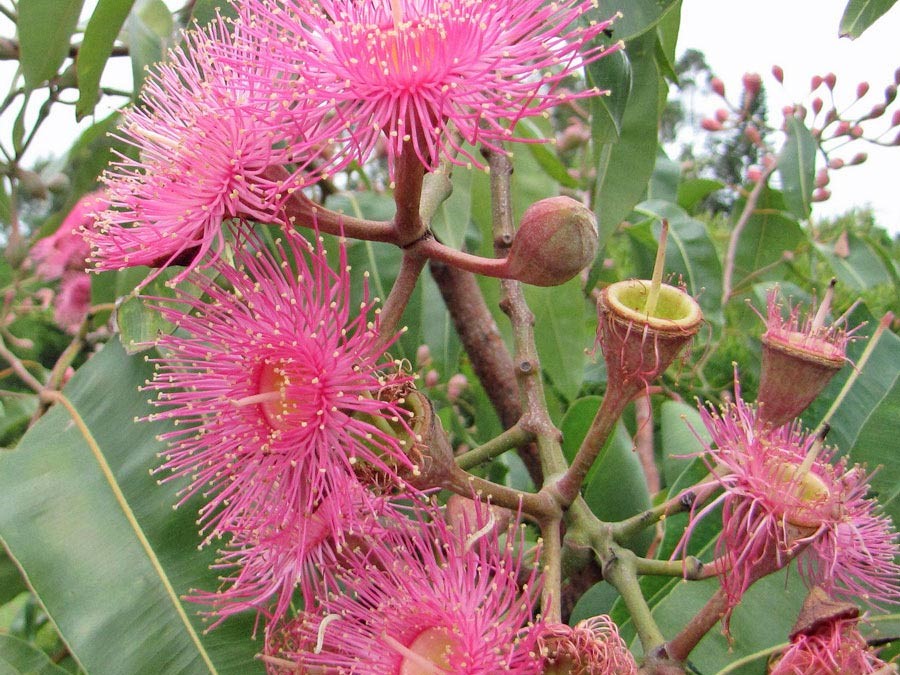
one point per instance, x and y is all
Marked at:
(817, 105)
(557, 238)
(895, 119)
(856, 131)
(722, 115)
(754, 174)
(778, 74)
(862, 89)
(752, 134)
(822, 178)
(752, 83)
(843, 128)
(821, 194)
(717, 86)
(830, 80)
(858, 158)
(890, 93)
(835, 163)
(815, 83)
(710, 124)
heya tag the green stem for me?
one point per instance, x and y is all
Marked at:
(620, 569)
(513, 437)
(538, 506)
(551, 564)
(689, 568)
(750, 658)
(683, 501)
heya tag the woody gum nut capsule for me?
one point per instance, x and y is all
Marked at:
(638, 347)
(557, 238)
(792, 376)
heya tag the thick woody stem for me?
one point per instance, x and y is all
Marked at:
(489, 356)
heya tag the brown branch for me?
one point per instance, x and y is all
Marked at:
(10, 50)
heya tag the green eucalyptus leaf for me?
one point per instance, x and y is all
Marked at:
(99, 37)
(665, 179)
(797, 168)
(103, 550)
(692, 192)
(860, 14)
(560, 333)
(683, 436)
(543, 155)
(18, 657)
(45, 28)
(205, 11)
(637, 16)
(690, 253)
(876, 446)
(612, 73)
(769, 233)
(149, 30)
(625, 167)
(861, 268)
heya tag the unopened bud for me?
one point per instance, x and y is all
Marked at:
(830, 80)
(858, 158)
(890, 93)
(876, 111)
(754, 174)
(722, 115)
(423, 356)
(862, 89)
(822, 178)
(835, 163)
(778, 74)
(769, 161)
(843, 128)
(895, 119)
(717, 86)
(815, 83)
(856, 131)
(817, 105)
(432, 377)
(788, 111)
(752, 83)
(821, 194)
(710, 124)
(897, 77)
(456, 386)
(58, 183)
(557, 238)
(32, 183)
(753, 135)
(573, 136)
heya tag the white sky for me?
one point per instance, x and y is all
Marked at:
(798, 35)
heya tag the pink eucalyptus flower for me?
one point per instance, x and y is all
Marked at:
(422, 598)
(416, 70)
(73, 300)
(267, 564)
(66, 250)
(590, 647)
(272, 382)
(205, 133)
(783, 499)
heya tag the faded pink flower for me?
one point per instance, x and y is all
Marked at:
(783, 499)
(422, 598)
(800, 356)
(73, 300)
(66, 250)
(273, 382)
(835, 648)
(205, 133)
(416, 70)
(590, 647)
